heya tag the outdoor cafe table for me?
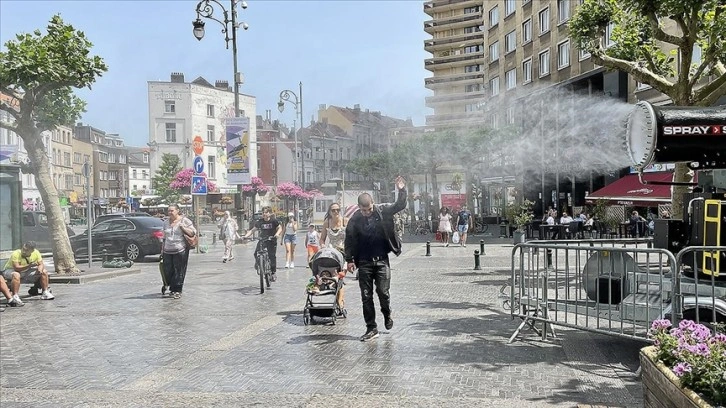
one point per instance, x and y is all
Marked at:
(546, 231)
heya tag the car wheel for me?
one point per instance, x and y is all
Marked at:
(133, 251)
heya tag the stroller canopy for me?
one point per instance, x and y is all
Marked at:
(327, 258)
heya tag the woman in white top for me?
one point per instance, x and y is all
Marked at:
(228, 234)
(175, 252)
(290, 240)
(334, 224)
(445, 225)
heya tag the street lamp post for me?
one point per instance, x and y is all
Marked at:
(205, 9)
(298, 103)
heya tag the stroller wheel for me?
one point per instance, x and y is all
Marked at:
(333, 320)
(344, 313)
(306, 317)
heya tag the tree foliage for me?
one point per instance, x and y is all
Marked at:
(165, 176)
(654, 42)
(38, 72)
(183, 181)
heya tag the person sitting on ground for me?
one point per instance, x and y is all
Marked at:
(9, 296)
(26, 265)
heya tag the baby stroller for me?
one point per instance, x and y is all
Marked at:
(322, 292)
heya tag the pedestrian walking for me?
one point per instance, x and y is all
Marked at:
(312, 242)
(463, 224)
(369, 237)
(333, 231)
(445, 225)
(228, 234)
(290, 240)
(175, 251)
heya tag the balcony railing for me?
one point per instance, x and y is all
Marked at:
(455, 58)
(464, 76)
(454, 39)
(434, 5)
(459, 96)
(432, 25)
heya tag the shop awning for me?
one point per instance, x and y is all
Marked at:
(629, 191)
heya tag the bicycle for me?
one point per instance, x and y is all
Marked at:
(263, 264)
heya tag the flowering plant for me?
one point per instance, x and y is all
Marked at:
(183, 180)
(695, 355)
(256, 186)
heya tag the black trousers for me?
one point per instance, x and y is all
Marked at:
(376, 273)
(272, 254)
(175, 269)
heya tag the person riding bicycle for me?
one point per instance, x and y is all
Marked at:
(270, 229)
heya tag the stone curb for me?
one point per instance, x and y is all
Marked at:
(92, 276)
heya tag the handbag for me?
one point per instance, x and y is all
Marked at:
(192, 241)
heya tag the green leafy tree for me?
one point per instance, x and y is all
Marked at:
(647, 35)
(38, 73)
(165, 176)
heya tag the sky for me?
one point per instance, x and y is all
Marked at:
(344, 52)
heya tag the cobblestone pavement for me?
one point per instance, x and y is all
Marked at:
(118, 343)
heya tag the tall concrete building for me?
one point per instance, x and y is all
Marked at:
(179, 111)
(502, 63)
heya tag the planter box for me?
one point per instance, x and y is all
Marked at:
(661, 388)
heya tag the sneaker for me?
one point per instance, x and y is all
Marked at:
(447, 244)
(15, 302)
(34, 291)
(47, 296)
(273, 277)
(224, 260)
(230, 258)
(292, 265)
(370, 335)
(176, 295)
(389, 323)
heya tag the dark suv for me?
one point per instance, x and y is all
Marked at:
(106, 217)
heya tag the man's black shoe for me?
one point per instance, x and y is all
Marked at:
(389, 323)
(34, 291)
(370, 335)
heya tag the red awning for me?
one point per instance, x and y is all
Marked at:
(629, 191)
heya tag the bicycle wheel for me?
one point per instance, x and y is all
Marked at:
(261, 272)
(268, 271)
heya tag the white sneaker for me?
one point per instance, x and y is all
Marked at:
(292, 265)
(15, 301)
(47, 296)
(287, 265)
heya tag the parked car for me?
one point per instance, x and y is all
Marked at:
(132, 238)
(35, 228)
(111, 216)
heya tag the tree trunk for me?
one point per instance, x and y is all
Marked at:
(683, 175)
(65, 263)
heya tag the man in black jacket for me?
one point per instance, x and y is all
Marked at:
(369, 237)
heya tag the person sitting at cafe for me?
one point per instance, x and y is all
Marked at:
(637, 224)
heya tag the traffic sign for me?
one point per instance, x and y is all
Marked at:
(199, 185)
(198, 145)
(198, 165)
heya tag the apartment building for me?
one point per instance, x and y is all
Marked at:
(61, 156)
(501, 63)
(82, 155)
(179, 111)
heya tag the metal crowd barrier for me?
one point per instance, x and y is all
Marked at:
(700, 289)
(609, 286)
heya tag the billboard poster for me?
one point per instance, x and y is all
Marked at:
(237, 131)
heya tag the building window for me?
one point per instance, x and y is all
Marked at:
(563, 54)
(69, 182)
(210, 111)
(472, 68)
(494, 121)
(67, 159)
(509, 118)
(584, 55)
(472, 29)
(133, 174)
(609, 35)
(472, 48)
(272, 163)
(544, 63)
(510, 41)
(494, 86)
(563, 10)
(527, 31)
(510, 77)
(473, 88)
(103, 157)
(494, 16)
(470, 10)
(78, 180)
(210, 133)
(544, 20)
(144, 174)
(527, 71)
(171, 132)
(211, 171)
(509, 6)
(145, 159)
(169, 107)
(494, 51)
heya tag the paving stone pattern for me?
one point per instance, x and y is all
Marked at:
(118, 343)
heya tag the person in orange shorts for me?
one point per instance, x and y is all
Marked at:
(312, 242)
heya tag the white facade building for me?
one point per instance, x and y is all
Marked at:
(179, 111)
(139, 175)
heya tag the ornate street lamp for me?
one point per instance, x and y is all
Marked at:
(298, 103)
(205, 9)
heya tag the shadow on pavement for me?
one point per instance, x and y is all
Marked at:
(322, 339)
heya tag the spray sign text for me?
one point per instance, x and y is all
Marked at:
(684, 130)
